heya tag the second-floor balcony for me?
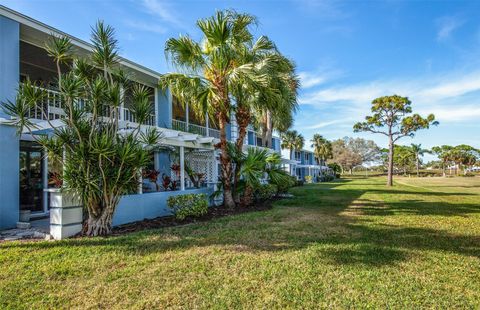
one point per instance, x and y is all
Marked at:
(195, 129)
(52, 108)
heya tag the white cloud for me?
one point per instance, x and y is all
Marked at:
(309, 80)
(162, 10)
(357, 93)
(453, 86)
(447, 25)
(454, 113)
(329, 123)
(146, 26)
(448, 96)
(318, 77)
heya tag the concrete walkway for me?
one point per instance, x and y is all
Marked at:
(39, 229)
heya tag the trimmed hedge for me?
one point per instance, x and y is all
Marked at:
(189, 205)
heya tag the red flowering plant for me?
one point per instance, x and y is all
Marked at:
(176, 168)
(55, 180)
(152, 175)
(166, 181)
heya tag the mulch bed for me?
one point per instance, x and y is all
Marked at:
(170, 221)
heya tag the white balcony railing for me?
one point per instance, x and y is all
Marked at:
(52, 107)
(196, 129)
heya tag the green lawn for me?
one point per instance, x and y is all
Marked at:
(352, 243)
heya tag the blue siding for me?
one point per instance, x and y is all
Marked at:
(9, 176)
(134, 208)
(164, 109)
(9, 153)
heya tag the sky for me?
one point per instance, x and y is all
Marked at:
(347, 53)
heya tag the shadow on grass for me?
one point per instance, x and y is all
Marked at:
(315, 219)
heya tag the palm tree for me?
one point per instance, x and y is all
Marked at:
(208, 71)
(417, 152)
(292, 140)
(257, 164)
(322, 148)
(275, 111)
(261, 55)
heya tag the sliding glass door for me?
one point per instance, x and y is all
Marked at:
(31, 177)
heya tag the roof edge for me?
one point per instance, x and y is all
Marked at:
(28, 21)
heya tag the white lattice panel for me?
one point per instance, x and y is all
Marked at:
(202, 162)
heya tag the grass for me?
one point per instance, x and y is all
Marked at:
(351, 243)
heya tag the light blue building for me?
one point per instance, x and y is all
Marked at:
(304, 163)
(24, 170)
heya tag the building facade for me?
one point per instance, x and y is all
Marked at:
(304, 165)
(24, 168)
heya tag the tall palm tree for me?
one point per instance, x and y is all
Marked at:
(418, 152)
(276, 111)
(292, 140)
(208, 70)
(261, 55)
(322, 148)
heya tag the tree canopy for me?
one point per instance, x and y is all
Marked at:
(392, 117)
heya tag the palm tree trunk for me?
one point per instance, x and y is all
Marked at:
(243, 117)
(247, 198)
(99, 223)
(225, 164)
(269, 130)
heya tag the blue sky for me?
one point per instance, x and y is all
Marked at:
(347, 53)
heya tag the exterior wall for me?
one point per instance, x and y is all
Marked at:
(9, 176)
(10, 142)
(164, 114)
(134, 208)
(164, 108)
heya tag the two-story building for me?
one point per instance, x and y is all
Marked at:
(24, 168)
(304, 163)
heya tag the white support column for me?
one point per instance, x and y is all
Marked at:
(182, 168)
(140, 182)
(215, 170)
(156, 161)
(187, 119)
(64, 159)
(121, 109)
(156, 108)
(45, 182)
(207, 125)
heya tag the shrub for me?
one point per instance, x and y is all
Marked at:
(265, 191)
(300, 182)
(190, 205)
(283, 188)
(327, 178)
(309, 179)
